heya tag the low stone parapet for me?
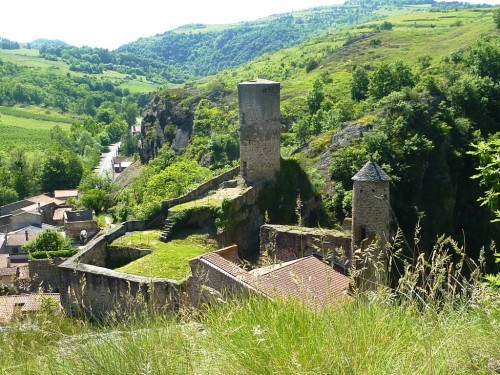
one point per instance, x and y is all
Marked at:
(87, 287)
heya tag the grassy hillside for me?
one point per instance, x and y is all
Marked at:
(30, 127)
(31, 58)
(437, 34)
(442, 66)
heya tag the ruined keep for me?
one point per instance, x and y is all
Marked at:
(259, 117)
(371, 212)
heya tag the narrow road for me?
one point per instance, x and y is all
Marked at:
(106, 163)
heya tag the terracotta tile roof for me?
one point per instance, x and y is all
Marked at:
(228, 267)
(307, 279)
(33, 208)
(25, 303)
(59, 213)
(19, 239)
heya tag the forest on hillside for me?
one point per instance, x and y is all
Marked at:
(195, 51)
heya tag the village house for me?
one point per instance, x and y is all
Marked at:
(7, 272)
(25, 304)
(36, 210)
(77, 221)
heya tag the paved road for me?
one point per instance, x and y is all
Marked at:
(106, 163)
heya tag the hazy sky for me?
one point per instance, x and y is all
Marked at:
(111, 23)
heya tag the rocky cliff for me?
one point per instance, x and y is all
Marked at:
(167, 119)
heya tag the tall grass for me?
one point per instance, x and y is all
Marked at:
(258, 336)
(434, 321)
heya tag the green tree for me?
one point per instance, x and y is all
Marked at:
(97, 200)
(382, 81)
(61, 137)
(7, 195)
(48, 241)
(488, 154)
(359, 84)
(346, 162)
(175, 180)
(388, 78)
(61, 169)
(315, 97)
(484, 58)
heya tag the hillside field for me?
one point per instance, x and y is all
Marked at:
(29, 127)
(31, 58)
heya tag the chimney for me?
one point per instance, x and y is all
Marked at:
(26, 234)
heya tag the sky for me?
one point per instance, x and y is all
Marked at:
(112, 23)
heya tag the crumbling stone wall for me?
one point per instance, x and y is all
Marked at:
(118, 256)
(201, 189)
(73, 229)
(87, 287)
(245, 227)
(284, 243)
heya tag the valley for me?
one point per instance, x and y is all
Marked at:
(363, 171)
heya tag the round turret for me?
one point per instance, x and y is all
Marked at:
(371, 213)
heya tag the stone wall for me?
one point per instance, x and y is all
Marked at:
(201, 189)
(245, 229)
(118, 256)
(87, 287)
(84, 215)
(74, 228)
(44, 274)
(284, 243)
(9, 208)
(209, 283)
(24, 219)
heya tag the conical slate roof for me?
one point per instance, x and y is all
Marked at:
(371, 172)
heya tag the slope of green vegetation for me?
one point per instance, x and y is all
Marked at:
(29, 128)
(197, 50)
(418, 88)
(31, 58)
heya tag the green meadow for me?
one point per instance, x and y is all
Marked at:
(30, 58)
(29, 127)
(167, 260)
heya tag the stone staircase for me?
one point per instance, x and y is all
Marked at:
(167, 232)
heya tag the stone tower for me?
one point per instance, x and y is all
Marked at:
(259, 116)
(371, 212)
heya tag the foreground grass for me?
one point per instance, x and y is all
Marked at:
(168, 260)
(264, 337)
